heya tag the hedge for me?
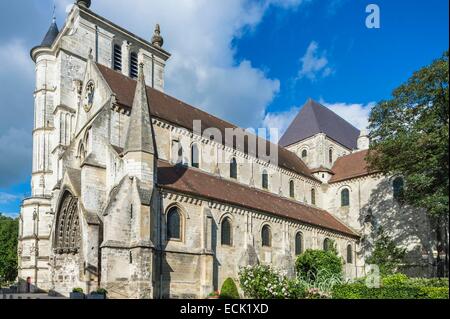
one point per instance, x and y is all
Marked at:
(361, 291)
(312, 262)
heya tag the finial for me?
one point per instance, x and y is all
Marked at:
(84, 3)
(157, 39)
(54, 13)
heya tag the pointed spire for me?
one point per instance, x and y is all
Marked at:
(140, 135)
(52, 32)
(157, 39)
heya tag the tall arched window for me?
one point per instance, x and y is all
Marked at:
(349, 254)
(195, 156)
(304, 154)
(330, 155)
(345, 197)
(326, 244)
(174, 224)
(313, 196)
(266, 236)
(117, 57)
(265, 180)
(134, 65)
(291, 189)
(398, 186)
(67, 236)
(225, 232)
(233, 168)
(299, 243)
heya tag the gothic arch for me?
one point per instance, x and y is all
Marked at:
(67, 228)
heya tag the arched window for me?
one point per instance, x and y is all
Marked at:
(313, 196)
(233, 168)
(330, 155)
(265, 180)
(195, 156)
(326, 244)
(117, 57)
(349, 254)
(298, 243)
(304, 154)
(134, 65)
(398, 186)
(291, 189)
(174, 224)
(67, 237)
(266, 236)
(225, 232)
(345, 197)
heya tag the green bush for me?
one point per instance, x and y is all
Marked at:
(394, 287)
(229, 290)
(314, 262)
(263, 282)
(77, 290)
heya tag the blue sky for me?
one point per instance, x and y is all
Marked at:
(251, 62)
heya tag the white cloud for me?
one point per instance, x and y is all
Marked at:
(203, 69)
(280, 120)
(314, 63)
(6, 198)
(356, 114)
(15, 58)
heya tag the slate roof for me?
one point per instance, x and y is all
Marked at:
(51, 35)
(171, 110)
(350, 166)
(197, 183)
(315, 118)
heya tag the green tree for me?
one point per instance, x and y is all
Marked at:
(229, 290)
(409, 136)
(8, 249)
(314, 263)
(386, 254)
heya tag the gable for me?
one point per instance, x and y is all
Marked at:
(315, 118)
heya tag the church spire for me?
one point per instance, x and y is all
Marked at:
(140, 135)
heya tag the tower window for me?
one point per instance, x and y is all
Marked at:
(304, 154)
(173, 224)
(226, 232)
(266, 236)
(345, 198)
(233, 168)
(313, 196)
(134, 65)
(330, 155)
(117, 57)
(265, 180)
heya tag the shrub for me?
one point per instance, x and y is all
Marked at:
(314, 262)
(100, 291)
(229, 290)
(263, 282)
(394, 287)
(77, 290)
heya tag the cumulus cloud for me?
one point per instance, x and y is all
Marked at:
(280, 120)
(16, 76)
(203, 69)
(356, 114)
(315, 63)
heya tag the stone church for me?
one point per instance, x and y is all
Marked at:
(132, 193)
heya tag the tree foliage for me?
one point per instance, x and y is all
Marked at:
(314, 262)
(229, 290)
(386, 254)
(8, 249)
(410, 137)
